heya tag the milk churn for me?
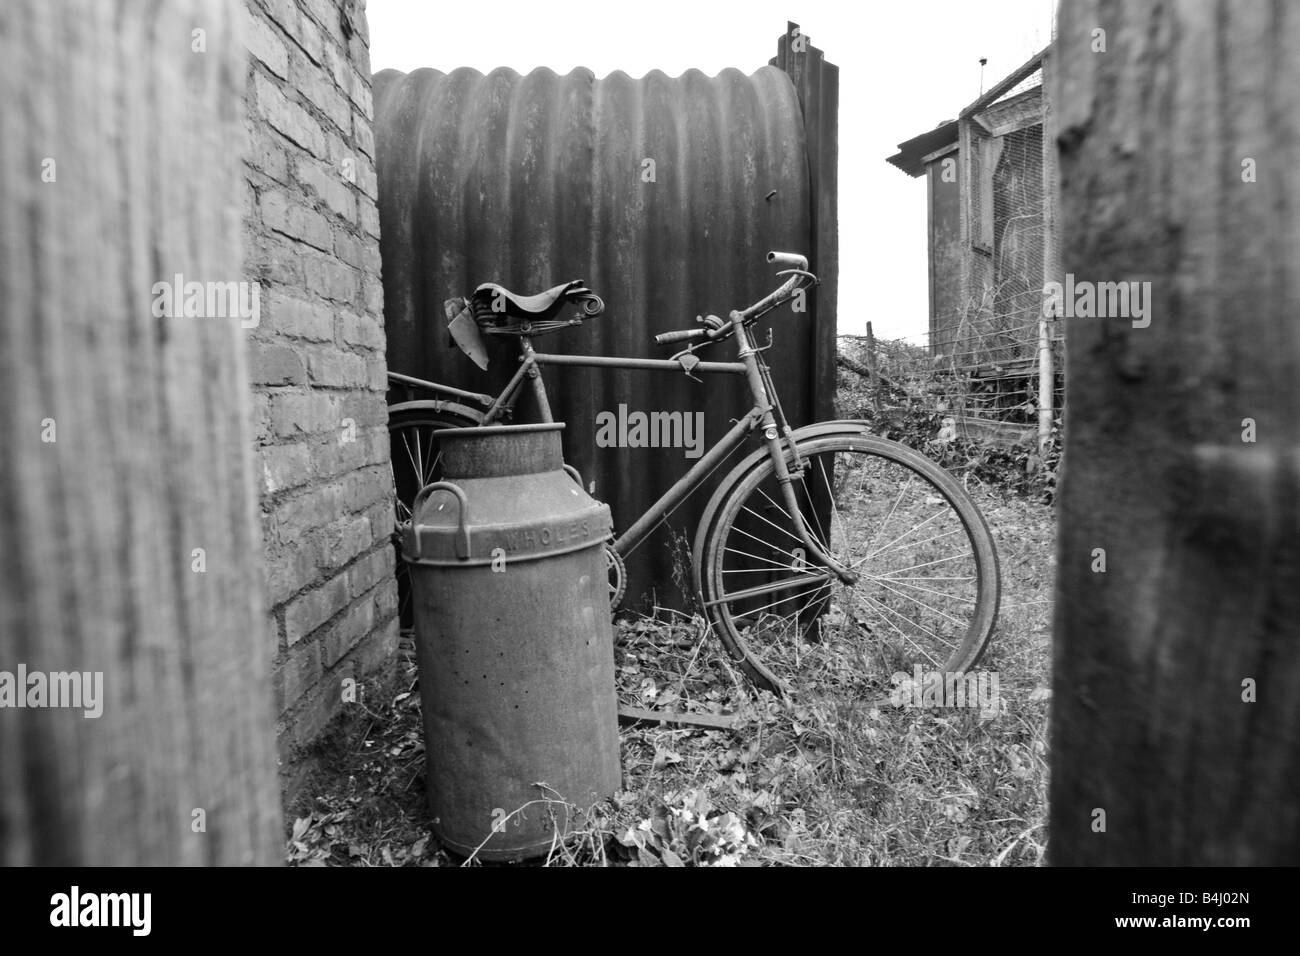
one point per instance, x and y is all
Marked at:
(510, 587)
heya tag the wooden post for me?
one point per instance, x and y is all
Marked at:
(1046, 377)
(1176, 721)
(1051, 264)
(875, 373)
(127, 519)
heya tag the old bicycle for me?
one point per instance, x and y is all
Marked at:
(825, 535)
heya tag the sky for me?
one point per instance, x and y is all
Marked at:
(904, 68)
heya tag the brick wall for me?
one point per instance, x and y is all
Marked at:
(317, 357)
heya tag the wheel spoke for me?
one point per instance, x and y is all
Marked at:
(921, 595)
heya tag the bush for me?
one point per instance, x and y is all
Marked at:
(913, 405)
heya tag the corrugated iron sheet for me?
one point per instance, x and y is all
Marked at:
(533, 180)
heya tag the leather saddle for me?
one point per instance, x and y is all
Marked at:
(493, 301)
(496, 310)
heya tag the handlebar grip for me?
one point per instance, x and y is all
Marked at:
(791, 259)
(682, 335)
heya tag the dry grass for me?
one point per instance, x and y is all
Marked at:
(816, 779)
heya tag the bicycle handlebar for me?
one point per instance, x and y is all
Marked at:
(681, 335)
(792, 260)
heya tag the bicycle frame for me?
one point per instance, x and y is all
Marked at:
(763, 414)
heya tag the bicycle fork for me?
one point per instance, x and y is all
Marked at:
(777, 433)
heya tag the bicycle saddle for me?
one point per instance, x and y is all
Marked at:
(492, 299)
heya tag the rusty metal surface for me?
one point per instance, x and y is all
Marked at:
(640, 715)
(533, 180)
(514, 642)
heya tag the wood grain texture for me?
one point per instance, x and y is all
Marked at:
(1200, 529)
(152, 457)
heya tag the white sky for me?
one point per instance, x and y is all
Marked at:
(904, 68)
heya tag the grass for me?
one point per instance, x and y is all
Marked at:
(811, 780)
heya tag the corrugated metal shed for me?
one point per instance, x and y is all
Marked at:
(533, 180)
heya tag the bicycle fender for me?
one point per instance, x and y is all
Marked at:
(436, 405)
(815, 430)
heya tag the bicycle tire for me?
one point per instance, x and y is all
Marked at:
(746, 632)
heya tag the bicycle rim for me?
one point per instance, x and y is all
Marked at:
(928, 586)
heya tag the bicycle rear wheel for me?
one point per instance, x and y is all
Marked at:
(417, 461)
(928, 586)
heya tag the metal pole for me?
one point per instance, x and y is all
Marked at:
(1045, 380)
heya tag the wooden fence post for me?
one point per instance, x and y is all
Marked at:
(1176, 721)
(128, 541)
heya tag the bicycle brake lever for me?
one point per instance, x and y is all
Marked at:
(801, 272)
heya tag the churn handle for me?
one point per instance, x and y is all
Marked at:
(462, 532)
(573, 473)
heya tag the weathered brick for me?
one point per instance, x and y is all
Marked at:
(379, 516)
(361, 330)
(284, 13)
(330, 366)
(304, 512)
(306, 613)
(350, 249)
(261, 418)
(266, 153)
(285, 467)
(359, 54)
(317, 358)
(289, 118)
(332, 279)
(290, 566)
(361, 92)
(348, 630)
(327, 14)
(296, 220)
(301, 669)
(301, 319)
(317, 706)
(363, 133)
(369, 216)
(295, 414)
(386, 599)
(318, 88)
(367, 486)
(377, 654)
(262, 41)
(308, 36)
(276, 365)
(377, 372)
(279, 260)
(365, 177)
(343, 541)
(365, 409)
(377, 566)
(355, 12)
(372, 294)
(328, 185)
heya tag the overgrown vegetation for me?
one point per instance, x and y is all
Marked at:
(802, 781)
(823, 777)
(915, 403)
